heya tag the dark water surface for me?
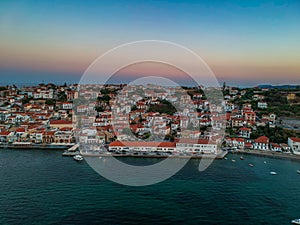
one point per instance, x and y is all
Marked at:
(42, 187)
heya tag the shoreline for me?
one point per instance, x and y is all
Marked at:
(37, 147)
(67, 153)
(157, 156)
(268, 154)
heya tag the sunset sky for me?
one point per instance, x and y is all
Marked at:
(245, 43)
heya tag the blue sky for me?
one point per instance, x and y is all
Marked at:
(244, 42)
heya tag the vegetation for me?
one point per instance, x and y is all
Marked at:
(163, 107)
(277, 134)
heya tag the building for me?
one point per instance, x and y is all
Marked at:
(275, 147)
(134, 146)
(245, 132)
(261, 143)
(262, 105)
(294, 143)
(202, 146)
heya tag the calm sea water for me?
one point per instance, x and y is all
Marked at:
(42, 187)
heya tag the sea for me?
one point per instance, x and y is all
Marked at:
(42, 187)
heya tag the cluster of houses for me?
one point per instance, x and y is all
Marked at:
(38, 114)
(46, 114)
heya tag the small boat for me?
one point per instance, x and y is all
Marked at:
(298, 171)
(233, 160)
(295, 221)
(242, 158)
(251, 165)
(273, 173)
(265, 162)
(100, 157)
(225, 158)
(78, 157)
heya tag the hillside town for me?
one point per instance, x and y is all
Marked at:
(149, 119)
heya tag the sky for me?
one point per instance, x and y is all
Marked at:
(244, 43)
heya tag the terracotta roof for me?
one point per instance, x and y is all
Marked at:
(295, 139)
(4, 133)
(60, 122)
(143, 144)
(20, 129)
(262, 139)
(245, 128)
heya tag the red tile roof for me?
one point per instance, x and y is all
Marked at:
(262, 139)
(295, 139)
(60, 122)
(143, 144)
(4, 133)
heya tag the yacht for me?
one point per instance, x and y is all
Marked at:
(296, 221)
(273, 173)
(78, 157)
(233, 160)
(251, 165)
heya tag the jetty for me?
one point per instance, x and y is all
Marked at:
(72, 151)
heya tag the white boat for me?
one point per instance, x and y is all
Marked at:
(251, 165)
(78, 157)
(242, 158)
(295, 221)
(273, 173)
(298, 171)
(233, 160)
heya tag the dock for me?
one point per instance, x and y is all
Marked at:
(72, 151)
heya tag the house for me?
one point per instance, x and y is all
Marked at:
(275, 147)
(235, 142)
(285, 147)
(294, 143)
(67, 105)
(262, 105)
(250, 116)
(237, 122)
(3, 136)
(245, 132)
(48, 137)
(261, 143)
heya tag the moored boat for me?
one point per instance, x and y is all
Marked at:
(233, 160)
(78, 157)
(295, 221)
(298, 171)
(273, 173)
(251, 165)
(242, 158)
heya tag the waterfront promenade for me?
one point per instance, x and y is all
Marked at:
(268, 154)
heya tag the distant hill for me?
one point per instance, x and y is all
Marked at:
(285, 86)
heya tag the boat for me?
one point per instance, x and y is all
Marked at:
(295, 221)
(225, 158)
(233, 160)
(78, 157)
(298, 171)
(242, 158)
(251, 165)
(273, 173)
(265, 162)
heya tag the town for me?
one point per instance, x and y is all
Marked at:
(150, 120)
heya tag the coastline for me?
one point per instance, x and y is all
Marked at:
(268, 154)
(36, 147)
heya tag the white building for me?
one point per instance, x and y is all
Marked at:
(294, 143)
